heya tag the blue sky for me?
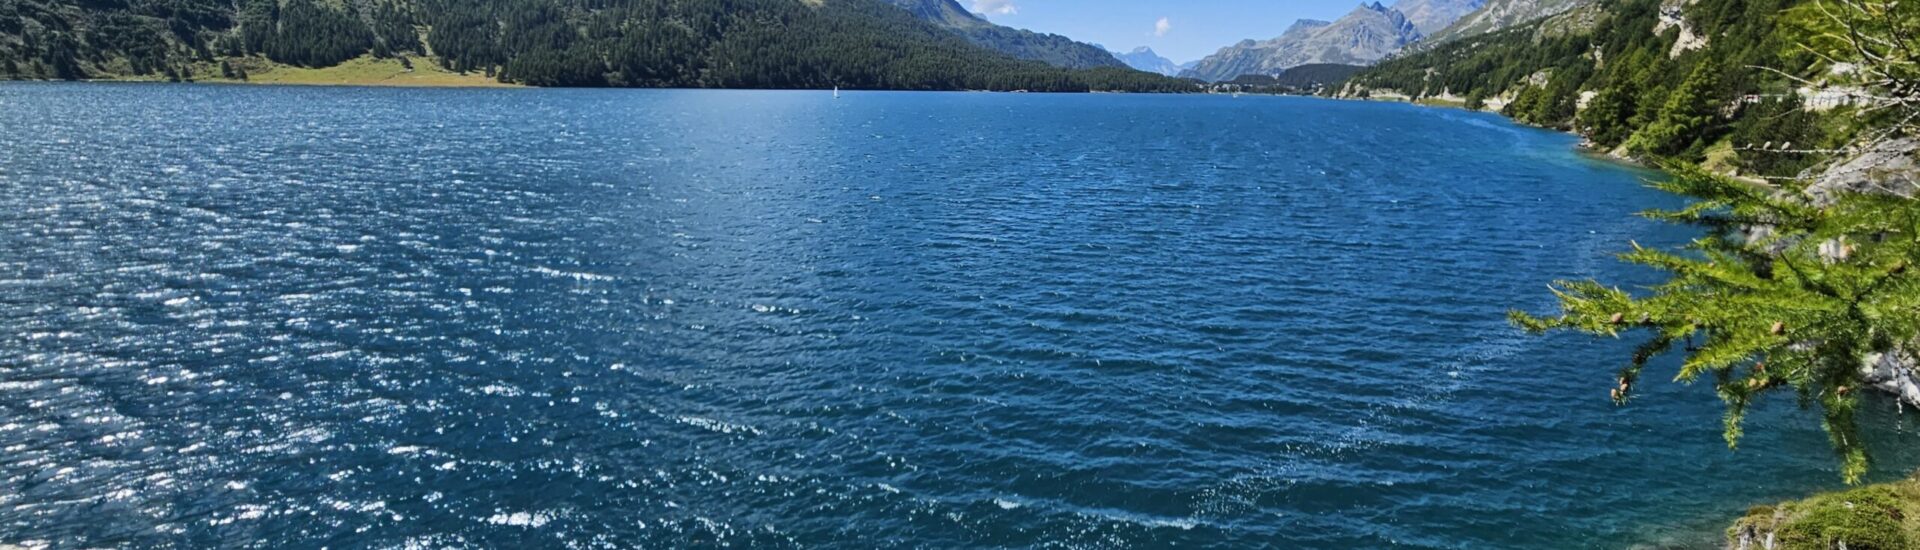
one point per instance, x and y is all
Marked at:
(1193, 29)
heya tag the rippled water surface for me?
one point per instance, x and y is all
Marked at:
(301, 317)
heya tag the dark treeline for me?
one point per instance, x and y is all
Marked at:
(636, 43)
(1309, 79)
(1641, 95)
(1317, 75)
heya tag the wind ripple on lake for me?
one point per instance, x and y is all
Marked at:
(391, 318)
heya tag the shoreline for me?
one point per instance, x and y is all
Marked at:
(364, 71)
(495, 85)
(1581, 149)
(1584, 148)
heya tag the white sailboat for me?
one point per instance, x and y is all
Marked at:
(836, 92)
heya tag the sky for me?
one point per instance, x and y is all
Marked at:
(1181, 30)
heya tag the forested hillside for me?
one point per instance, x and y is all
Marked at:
(1704, 81)
(1317, 75)
(639, 43)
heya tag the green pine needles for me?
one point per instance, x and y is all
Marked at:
(1784, 292)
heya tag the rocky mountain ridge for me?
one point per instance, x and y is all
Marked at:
(1497, 15)
(1145, 59)
(1366, 35)
(1051, 49)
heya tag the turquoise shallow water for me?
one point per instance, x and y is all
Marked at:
(345, 317)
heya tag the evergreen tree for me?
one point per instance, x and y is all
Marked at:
(394, 33)
(314, 36)
(1799, 305)
(1607, 118)
(1609, 48)
(1684, 118)
(62, 58)
(1774, 137)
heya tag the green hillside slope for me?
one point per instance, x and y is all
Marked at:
(640, 43)
(1644, 78)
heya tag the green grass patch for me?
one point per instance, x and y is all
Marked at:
(1441, 102)
(368, 71)
(1874, 517)
(1720, 158)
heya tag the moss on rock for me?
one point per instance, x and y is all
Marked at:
(1874, 517)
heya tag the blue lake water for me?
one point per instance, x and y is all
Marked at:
(348, 317)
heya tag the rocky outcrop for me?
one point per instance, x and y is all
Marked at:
(1894, 374)
(1886, 166)
(1671, 16)
(1861, 518)
(1432, 16)
(1889, 167)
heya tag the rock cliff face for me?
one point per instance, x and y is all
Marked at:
(1432, 16)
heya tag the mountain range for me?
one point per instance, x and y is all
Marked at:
(888, 44)
(1143, 58)
(1637, 78)
(1498, 15)
(1051, 49)
(903, 44)
(1431, 16)
(1366, 35)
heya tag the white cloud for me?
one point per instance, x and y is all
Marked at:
(1161, 27)
(995, 7)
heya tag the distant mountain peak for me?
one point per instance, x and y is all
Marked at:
(1369, 33)
(1494, 15)
(1432, 16)
(1143, 58)
(1304, 24)
(1052, 49)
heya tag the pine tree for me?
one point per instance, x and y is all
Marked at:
(1684, 118)
(1606, 118)
(1782, 294)
(62, 58)
(1774, 135)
